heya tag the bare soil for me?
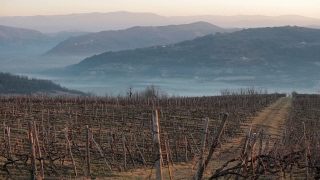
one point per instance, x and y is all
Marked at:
(272, 119)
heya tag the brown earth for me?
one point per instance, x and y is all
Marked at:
(272, 118)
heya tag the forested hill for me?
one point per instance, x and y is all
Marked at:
(14, 84)
(245, 45)
(262, 57)
(135, 37)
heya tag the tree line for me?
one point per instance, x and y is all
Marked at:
(16, 84)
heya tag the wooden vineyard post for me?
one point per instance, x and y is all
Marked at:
(260, 151)
(101, 154)
(244, 150)
(43, 130)
(213, 146)
(88, 150)
(168, 158)
(305, 148)
(4, 126)
(54, 137)
(128, 150)
(195, 144)
(124, 152)
(37, 145)
(186, 147)
(70, 152)
(34, 172)
(266, 146)
(245, 147)
(157, 145)
(140, 153)
(9, 143)
(203, 142)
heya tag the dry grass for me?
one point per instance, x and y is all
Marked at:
(272, 118)
(179, 171)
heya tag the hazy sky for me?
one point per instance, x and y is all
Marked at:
(309, 8)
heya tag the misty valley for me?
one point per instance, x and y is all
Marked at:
(197, 59)
(126, 95)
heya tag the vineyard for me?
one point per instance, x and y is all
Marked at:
(294, 155)
(95, 137)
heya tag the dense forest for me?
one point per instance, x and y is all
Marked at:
(15, 84)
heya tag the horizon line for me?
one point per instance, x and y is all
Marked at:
(157, 14)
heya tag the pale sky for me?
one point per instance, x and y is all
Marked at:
(309, 8)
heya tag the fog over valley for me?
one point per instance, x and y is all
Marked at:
(186, 56)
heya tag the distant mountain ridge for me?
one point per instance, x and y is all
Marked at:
(13, 38)
(64, 35)
(252, 21)
(135, 37)
(95, 22)
(92, 22)
(279, 55)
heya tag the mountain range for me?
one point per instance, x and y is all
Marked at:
(135, 37)
(263, 56)
(95, 22)
(17, 38)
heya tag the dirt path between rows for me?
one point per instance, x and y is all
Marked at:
(272, 119)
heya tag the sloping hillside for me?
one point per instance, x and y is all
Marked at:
(245, 45)
(135, 37)
(279, 55)
(64, 35)
(12, 38)
(14, 84)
